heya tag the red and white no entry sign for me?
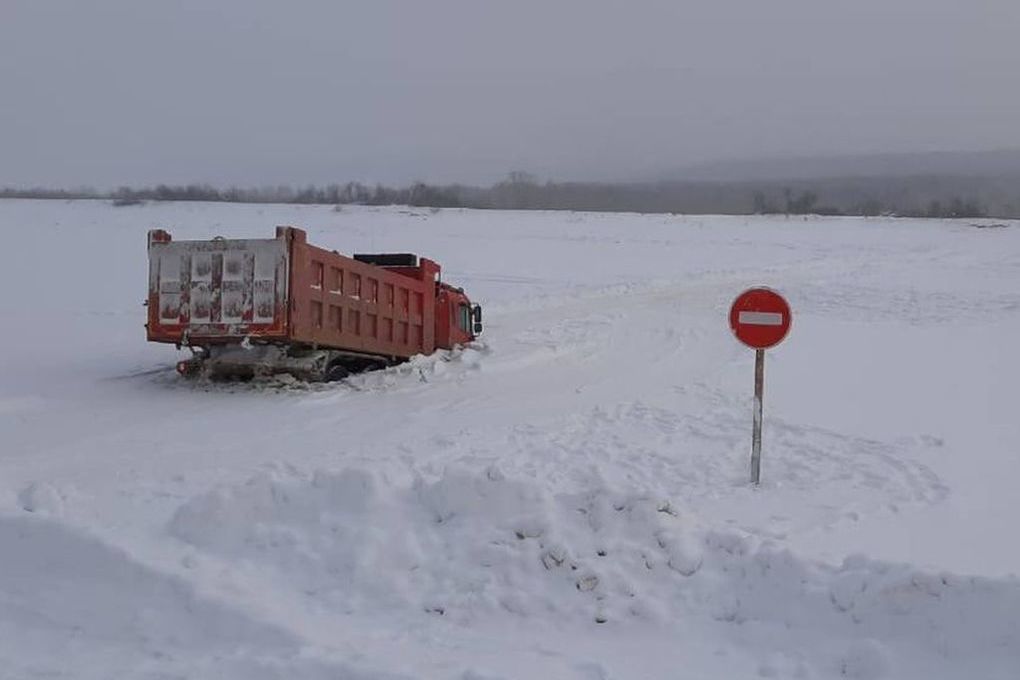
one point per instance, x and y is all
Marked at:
(760, 318)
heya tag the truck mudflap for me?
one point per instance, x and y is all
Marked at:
(204, 291)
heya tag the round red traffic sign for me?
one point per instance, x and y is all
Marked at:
(760, 318)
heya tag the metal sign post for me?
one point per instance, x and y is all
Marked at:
(759, 385)
(760, 318)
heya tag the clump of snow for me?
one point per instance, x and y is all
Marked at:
(43, 498)
(441, 366)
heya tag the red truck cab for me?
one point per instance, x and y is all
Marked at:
(457, 320)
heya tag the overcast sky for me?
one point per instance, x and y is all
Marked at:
(110, 92)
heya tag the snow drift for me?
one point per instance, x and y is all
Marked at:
(476, 547)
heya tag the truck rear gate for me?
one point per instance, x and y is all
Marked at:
(218, 290)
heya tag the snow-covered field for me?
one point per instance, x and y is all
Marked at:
(566, 499)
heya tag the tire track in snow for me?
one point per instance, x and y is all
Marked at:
(700, 461)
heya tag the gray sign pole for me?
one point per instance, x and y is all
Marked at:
(759, 386)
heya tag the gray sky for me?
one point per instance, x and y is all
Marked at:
(111, 92)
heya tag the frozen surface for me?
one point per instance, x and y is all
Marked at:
(565, 499)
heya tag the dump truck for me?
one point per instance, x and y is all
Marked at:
(258, 307)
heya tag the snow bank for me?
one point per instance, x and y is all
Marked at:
(72, 606)
(473, 548)
(462, 546)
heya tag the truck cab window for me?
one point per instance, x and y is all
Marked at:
(463, 317)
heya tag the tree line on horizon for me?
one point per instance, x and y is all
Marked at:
(940, 197)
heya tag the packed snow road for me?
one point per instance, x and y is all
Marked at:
(567, 498)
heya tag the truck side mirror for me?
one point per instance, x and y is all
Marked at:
(476, 315)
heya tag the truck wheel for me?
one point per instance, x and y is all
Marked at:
(335, 373)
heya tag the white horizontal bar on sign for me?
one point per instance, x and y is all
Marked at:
(760, 318)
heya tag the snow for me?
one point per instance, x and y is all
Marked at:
(567, 498)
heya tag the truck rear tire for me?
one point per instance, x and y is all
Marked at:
(335, 373)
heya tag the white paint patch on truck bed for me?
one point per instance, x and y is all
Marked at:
(251, 280)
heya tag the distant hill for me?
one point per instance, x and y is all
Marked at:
(942, 184)
(998, 164)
